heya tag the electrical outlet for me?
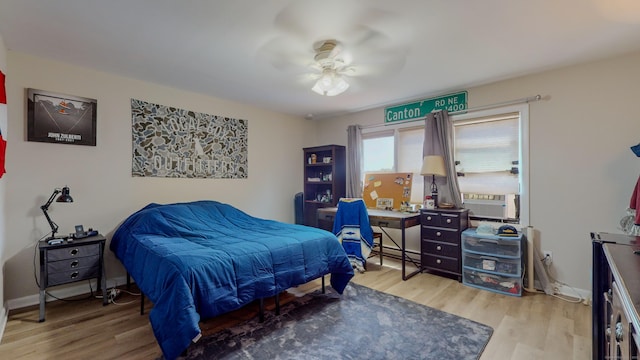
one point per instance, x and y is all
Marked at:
(548, 257)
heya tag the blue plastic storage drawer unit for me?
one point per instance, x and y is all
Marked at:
(492, 262)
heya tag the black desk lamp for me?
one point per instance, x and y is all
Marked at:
(64, 197)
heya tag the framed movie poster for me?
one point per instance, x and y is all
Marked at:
(60, 118)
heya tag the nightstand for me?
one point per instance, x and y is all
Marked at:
(440, 240)
(68, 262)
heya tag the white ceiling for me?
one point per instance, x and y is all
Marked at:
(244, 50)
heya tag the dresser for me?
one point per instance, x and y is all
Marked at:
(440, 240)
(616, 296)
(492, 262)
(71, 261)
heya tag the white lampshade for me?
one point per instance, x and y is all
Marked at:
(330, 83)
(433, 165)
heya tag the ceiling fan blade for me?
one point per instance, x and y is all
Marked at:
(318, 20)
(373, 69)
(377, 22)
(366, 41)
(286, 54)
(308, 79)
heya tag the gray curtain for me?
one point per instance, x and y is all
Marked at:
(354, 165)
(438, 140)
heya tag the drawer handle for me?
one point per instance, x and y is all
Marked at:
(439, 247)
(491, 241)
(448, 221)
(74, 252)
(489, 258)
(75, 263)
(429, 218)
(74, 274)
(619, 332)
(438, 233)
(438, 261)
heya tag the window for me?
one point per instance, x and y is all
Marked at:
(490, 146)
(487, 154)
(379, 149)
(378, 152)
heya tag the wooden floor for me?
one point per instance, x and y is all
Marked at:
(535, 326)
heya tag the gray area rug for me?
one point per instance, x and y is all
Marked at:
(360, 324)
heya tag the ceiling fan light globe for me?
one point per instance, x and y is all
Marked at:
(339, 87)
(326, 81)
(316, 89)
(330, 84)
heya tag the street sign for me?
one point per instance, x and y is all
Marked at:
(419, 109)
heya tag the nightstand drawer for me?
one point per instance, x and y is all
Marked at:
(73, 252)
(73, 275)
(73, 263)
(441, 263)
(441, 234)
(440, 219)
(440, 249)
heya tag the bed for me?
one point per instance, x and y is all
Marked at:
(200, 259)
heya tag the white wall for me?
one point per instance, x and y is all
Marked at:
(99, 177)
(3, 207)
(582, 170)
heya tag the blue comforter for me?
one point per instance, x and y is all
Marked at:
(201, 259)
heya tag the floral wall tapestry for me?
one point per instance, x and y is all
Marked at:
(178, 143)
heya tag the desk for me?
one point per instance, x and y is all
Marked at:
(382, 219)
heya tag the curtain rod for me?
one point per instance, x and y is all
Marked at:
(478, 108)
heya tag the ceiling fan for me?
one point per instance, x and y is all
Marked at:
(330, 80)
(372, 43)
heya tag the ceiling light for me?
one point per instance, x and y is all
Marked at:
(330, 83)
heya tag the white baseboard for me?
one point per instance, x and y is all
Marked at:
(76, 289)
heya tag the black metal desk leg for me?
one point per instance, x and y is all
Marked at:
(404, 254)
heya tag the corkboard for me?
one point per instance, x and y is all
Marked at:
(386, 190)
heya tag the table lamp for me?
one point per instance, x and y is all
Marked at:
(433, 165)
(64, 197)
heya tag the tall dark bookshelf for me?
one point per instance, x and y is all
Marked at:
(324, 179)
